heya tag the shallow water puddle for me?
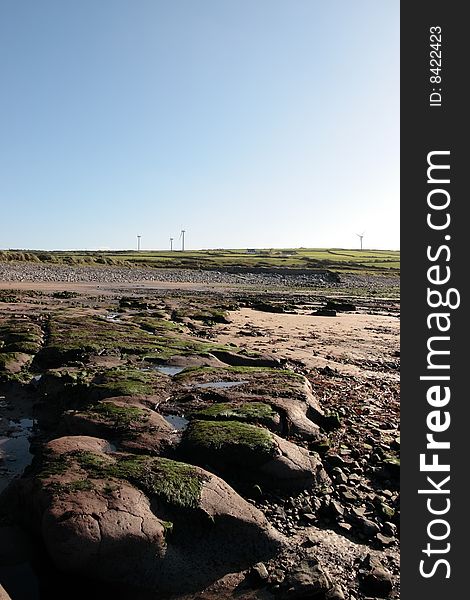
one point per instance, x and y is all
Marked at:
(168, 370)
(15, 453)
(220, 384)
(177, 422)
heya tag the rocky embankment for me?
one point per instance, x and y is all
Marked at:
(26, 272)
(167, 465)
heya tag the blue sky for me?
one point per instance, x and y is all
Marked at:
(250, 123)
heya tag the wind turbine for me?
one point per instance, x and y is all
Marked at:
(171, 244)
(138, 242)
(183, 231)
(360, 236)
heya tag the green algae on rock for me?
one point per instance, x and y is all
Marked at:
(250, 412)
(229, 441)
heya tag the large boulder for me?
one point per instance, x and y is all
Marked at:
(126, 421)
(141, 521)
(251, 454)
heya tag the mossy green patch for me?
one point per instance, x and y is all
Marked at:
(156, 325)
(229, 440)
(120, 417)
(126, 382)
(6, 359)
(18, 335)
(176, 483)
(74, 335)
(66, 385)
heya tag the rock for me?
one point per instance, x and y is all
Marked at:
(390, 469)
(335, 593)
(340, 306)
(325, 312)
(335, 460)
(127, 421)
(386, 511)
(194, 360)
(253, 454)
(294, 468)
(389, 529)
(3, 594)
(307, 579)
(345, 528)
(375, 578)
(385, 540)
(368, 527)
(348, 496)
(310, 517)
(339, 476)
(288, 393)
(138, 520)
(336, 509)
(277, 576)
(240, 360)
(260, 572)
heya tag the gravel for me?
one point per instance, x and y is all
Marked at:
(25, 272)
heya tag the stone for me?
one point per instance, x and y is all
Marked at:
(126, 420)
(344, 527)
(336, 509)
(348, 496)
(3, 594)
(369, 528)
(252, 454)
(384, 540)
(309, 517)
(260, 572)
(389, 529)
(307, 579)
(386, 511)
(137, 520)
(239, 360)
(335, 593)
(375, 578)
(335, 460)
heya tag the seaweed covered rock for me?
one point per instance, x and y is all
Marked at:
(20, 340)
(128, 422)
(249, 412)
(142, 521)
(76, 337)
(250, 454)
(75, 387)
(288, 393)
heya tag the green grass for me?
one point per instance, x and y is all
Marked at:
(335, 259)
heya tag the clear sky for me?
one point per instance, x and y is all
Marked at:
(250, 123)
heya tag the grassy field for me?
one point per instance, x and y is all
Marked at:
(335, 259)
